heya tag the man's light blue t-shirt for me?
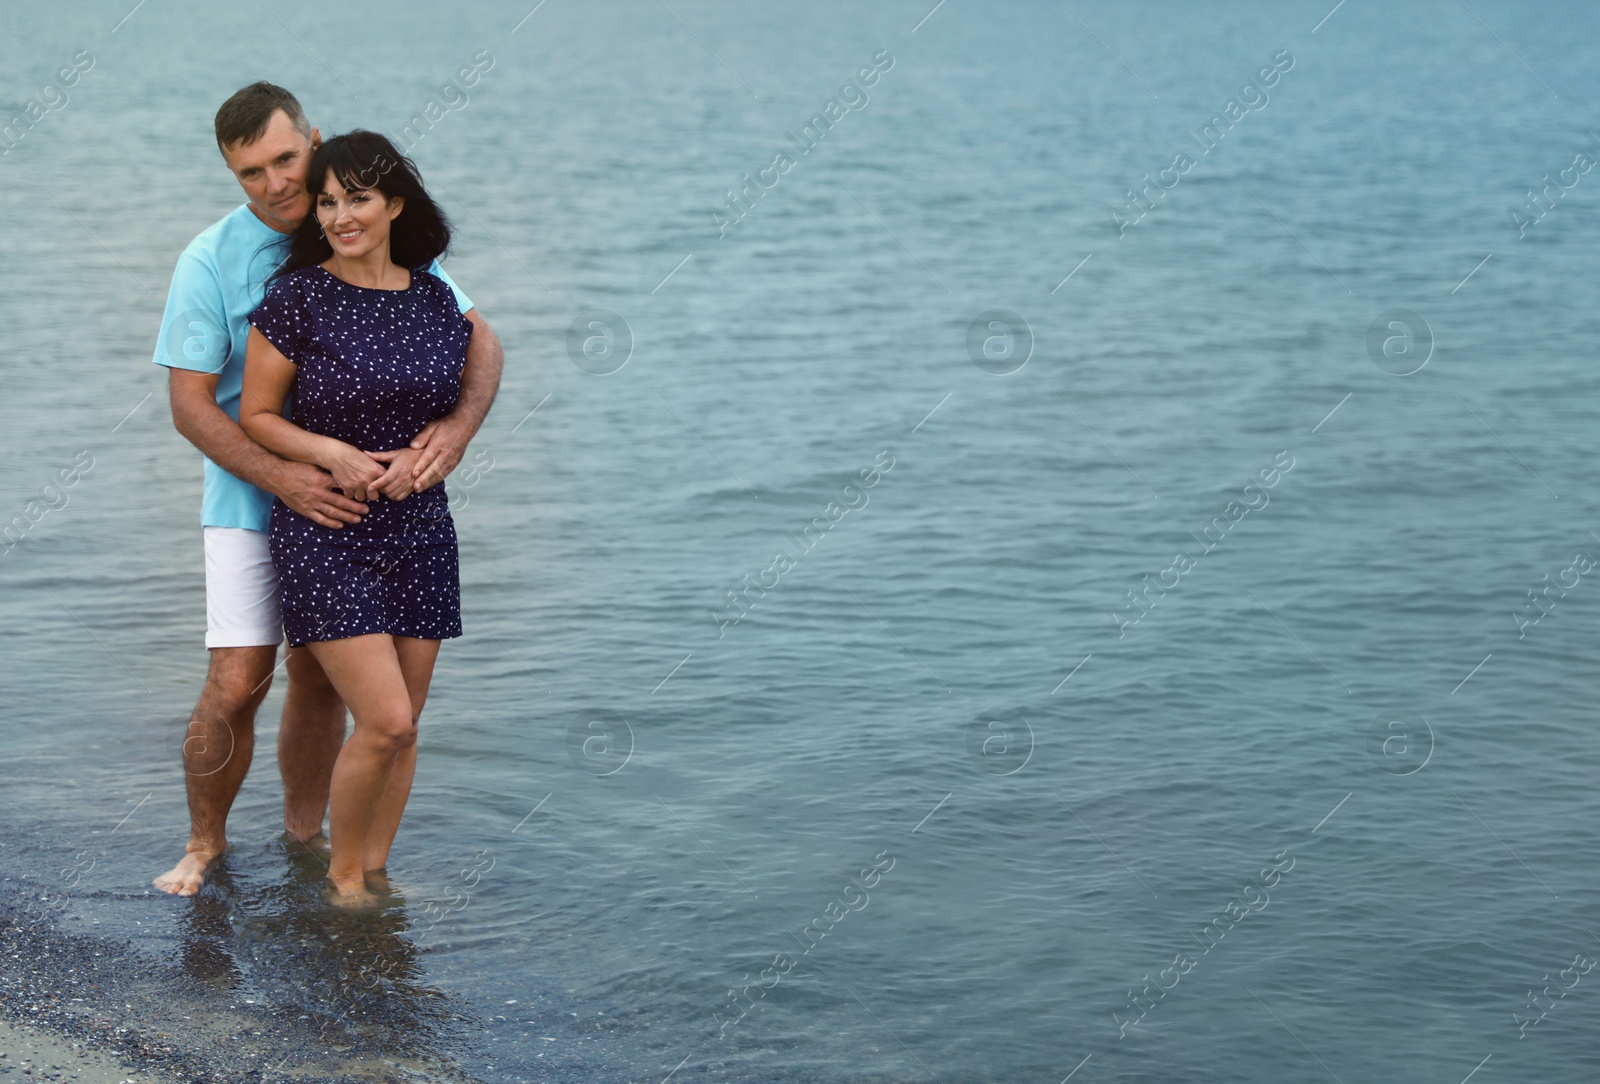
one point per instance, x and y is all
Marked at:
(219, 281)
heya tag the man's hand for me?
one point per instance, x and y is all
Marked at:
(444, 441)
(441, 443)
(310, 491)
(396, 482)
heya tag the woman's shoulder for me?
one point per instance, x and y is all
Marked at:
(296, 283)
(289, 300)
(435, 288)
(425, 278)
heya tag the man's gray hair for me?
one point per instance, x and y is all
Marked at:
(244, 117)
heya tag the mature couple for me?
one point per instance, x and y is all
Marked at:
(322, 294)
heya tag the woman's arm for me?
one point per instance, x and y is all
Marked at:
(268, 376)
(207, 426)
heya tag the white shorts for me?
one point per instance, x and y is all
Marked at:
(241, 590)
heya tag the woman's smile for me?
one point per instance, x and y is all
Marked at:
(356, 221)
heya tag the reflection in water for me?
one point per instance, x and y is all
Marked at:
(257, 977)
(207, 930)
(356, 979)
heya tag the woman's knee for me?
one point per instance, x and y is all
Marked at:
(393, 729)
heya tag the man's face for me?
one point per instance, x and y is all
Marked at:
(272, 172)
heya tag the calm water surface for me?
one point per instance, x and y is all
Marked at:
(1327, 809)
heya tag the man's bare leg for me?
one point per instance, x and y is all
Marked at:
(217, 748)
(309, 739)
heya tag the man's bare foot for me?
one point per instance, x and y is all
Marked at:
(290, 835)
(316, 844)
(189, 875)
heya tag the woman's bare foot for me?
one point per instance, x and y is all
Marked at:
(190, 874)
(351, 894)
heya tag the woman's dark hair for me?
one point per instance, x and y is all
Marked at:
(418, 235)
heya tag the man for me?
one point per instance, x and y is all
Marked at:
(221, 277)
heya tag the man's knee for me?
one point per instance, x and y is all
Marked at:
(307, 677)
(238, 679)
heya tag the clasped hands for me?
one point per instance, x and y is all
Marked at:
(364, 476)
(396, 474)
(334, 491)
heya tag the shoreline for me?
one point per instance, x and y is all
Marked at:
(91, 1008)
(43, 1055)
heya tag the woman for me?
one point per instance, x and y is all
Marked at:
(371, 348)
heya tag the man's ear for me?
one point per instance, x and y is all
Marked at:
(316, 138)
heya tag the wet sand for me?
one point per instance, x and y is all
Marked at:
(80, 1007)
(31, 1054)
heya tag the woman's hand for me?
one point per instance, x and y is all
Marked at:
(396, 482)
(354, 471)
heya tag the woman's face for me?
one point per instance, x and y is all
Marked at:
(356, 220)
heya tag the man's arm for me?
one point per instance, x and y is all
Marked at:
(444, 442)
(304, 488)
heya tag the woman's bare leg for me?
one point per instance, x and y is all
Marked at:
(416, 663)
(366, 672)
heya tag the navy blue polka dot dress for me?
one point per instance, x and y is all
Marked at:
(372, 368)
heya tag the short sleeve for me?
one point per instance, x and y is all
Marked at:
(282, 317)
(462, 299)
(194, 327)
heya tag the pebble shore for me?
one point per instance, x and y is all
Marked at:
(80, 1007)
(27, 1054)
